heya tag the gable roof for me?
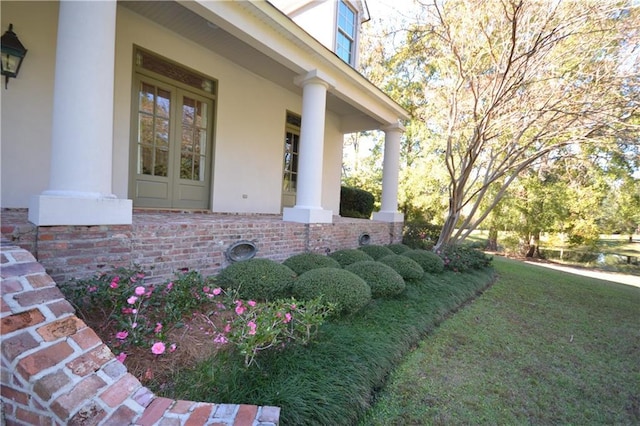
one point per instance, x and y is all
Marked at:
(261, 38)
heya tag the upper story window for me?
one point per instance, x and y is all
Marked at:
(346, 33)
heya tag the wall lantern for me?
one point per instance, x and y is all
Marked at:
(13, 52)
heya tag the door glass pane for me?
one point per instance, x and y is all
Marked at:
(194, 139)
(146, 98)
(163, 103)
(162, 163)
(154, 129)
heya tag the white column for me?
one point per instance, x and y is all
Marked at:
(390, 171)
(82, 136)
(308, 208)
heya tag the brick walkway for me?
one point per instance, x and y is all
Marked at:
(57, 371)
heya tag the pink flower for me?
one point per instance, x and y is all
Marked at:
(206, 289)
(121, 357)
(293, 306)
(287, 318)
(114, 284)
(132, 300)
(122, 335)
(239, 308)
(127, 310)
(158, 348)
(252, 327)
(251, 303)
(134, 325)
(217, 291)
(158, 328)
(172, 348)
(92, 289)
(227, 328)
(220, 339)
(139, 291)
(170, 286)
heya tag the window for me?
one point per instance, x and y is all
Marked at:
(346, 35)
(291, 148)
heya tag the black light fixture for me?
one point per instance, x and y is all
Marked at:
(13, 52)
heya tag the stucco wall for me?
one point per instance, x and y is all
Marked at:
(249, 117)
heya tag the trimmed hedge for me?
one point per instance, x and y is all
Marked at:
(355, 202)
(398, 248)
(376, 252)
(428, 260)
(383, 279)
(259, 279)
(303, 262)
(349, 292)
(406, 267)
(348, 256)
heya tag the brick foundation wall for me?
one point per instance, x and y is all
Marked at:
(57, 371)
(163, 243)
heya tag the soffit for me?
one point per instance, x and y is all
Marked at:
(192, 26)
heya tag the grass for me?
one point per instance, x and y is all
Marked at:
(539, 347)
(333, 380)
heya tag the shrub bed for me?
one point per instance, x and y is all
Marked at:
(259, 279)
(376, 252)
(428, 260)
(406, 267)
(348, 256)
(303, 262)
(383, 279)
(347, 291)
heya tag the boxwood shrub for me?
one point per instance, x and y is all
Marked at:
(376, 251)
(428, 260)
(348, 256)
(349, 292)
(398, 248)
(303, 262)
(383, 279)
(355, 202)
(258, 279)
(406, 267)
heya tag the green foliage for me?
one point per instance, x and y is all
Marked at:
(420, 235)
(462, 258)
(260, 326)
(398, 248)
(406, 267)
(348, 256)
(383, 279)
(428, 260)
(303, 262)
(355, 202)
(375, 251)
(346, 290)
(259, 279)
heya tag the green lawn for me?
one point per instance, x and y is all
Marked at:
(539, 347)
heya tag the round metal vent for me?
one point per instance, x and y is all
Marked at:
(241, 250)
(364, 239)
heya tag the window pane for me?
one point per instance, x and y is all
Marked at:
(145, 165)
(146, 98)
(187, 139)
(185, 166)
(162, 161)
(163, 103)
(188, 111)
(145, 129)
(162, 132)
(196, 168)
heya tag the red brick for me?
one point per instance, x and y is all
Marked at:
(122, 416)
(66, 404)
(154, 411)
(40, 281)
(246, 415)
(120, 390)
(44, 359)
(20, 269)
(61, 307)
(10, 286)
(20, 321)
(31, 418)
(61, 328)
(89, 415)
(17, 345)
(182, 407)
(51, 383)
(200, 415)
(14, 395)
(86, 338)
(91, 361)
(39, 297)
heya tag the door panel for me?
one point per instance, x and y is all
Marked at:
(172, 147)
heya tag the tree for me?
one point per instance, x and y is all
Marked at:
(500, 85)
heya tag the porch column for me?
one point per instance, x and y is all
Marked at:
(82, 135)
(390, 171)
(308, 208)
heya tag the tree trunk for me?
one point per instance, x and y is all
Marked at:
(534, 245)
(492, 243)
